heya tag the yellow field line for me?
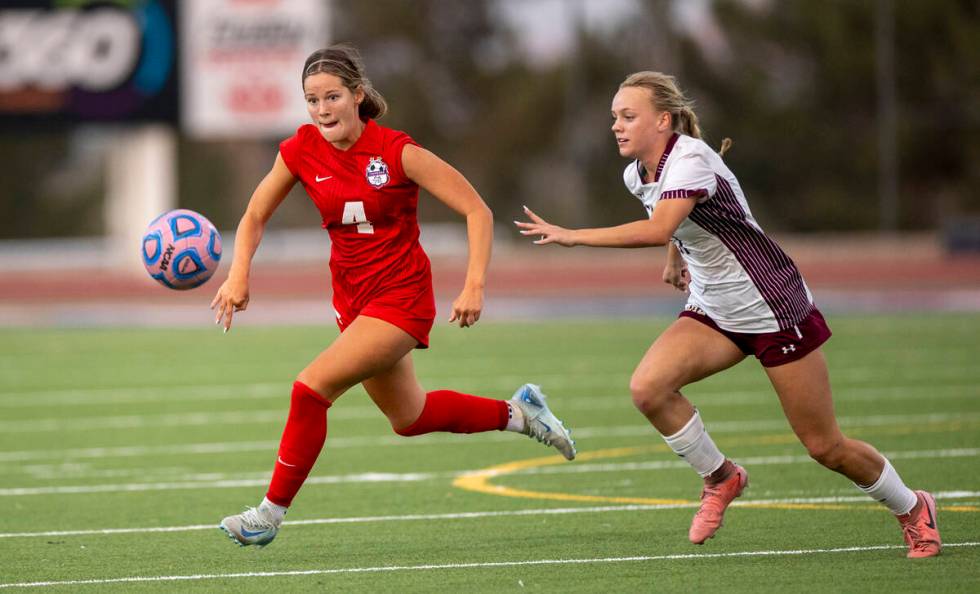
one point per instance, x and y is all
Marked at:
(480, 481)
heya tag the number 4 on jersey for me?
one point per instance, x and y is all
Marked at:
(354, 215)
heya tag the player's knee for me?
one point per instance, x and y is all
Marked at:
(828, 452)
(410, 430)
(407, 425)
(649, 395)
(307, 379)
(325, 390)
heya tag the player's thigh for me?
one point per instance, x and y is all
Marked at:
(684, 353)
(367, 347)
(803, 387)
(397, 392)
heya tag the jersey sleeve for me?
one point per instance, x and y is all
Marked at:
(290, 150)
(690, 177)
(395, 144)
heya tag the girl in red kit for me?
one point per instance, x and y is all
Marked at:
(364, 179)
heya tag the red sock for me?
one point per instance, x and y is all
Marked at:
(450, 411)
(302, 440)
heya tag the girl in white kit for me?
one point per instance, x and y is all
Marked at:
(746, 297)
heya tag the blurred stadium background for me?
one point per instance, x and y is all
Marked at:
(855, 124)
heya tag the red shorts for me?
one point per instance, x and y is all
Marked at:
(413, 309)
(775, 348)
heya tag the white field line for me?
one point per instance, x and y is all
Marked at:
(880, 391)
(871, 372)
(745, 461)
(367, 477)
(268, 416)
(257, 391)
(140, 451)
(79, 471)
(457, 566)
(144, 395)
(939, 495)
(66, 424)
(350, 520)
(262, 479)
(553, 383)
(84, 471)
(715, 427)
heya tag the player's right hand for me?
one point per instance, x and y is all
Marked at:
(467, 307)
(232, 297)
(677, 276)
(546, 232)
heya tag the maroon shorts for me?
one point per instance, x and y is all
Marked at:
(413, 309)
(775, 348)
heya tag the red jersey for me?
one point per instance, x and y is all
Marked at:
(368, 206)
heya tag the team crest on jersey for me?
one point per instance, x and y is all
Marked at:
(377, 172)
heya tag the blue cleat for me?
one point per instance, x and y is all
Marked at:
(540, 423)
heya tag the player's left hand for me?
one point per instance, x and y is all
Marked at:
(677, 276)
(467, 307)
(548, 233)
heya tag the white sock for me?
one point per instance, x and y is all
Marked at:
(891, 491)
(516, 421)
(696, 447)
(272, 511)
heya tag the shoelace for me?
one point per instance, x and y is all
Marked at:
(530, 428)
(911, 533)
(535, 431)
(712, 502)
(252, 519)
(913, 537)
(710, 490)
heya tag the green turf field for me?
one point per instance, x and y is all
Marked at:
(121, 450)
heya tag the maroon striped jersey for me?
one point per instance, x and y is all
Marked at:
(739, 277)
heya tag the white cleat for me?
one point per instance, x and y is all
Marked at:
(251, 527)
(540, 423)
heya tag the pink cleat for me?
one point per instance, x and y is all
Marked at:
(714, 500)
(920, 529)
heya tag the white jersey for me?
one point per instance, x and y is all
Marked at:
(740, 278)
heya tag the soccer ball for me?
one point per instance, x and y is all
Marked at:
(181, 249)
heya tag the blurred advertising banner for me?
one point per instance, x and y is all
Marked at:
(69, 61)
(242, 61)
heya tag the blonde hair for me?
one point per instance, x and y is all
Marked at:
(344, 62)
(667, 96)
